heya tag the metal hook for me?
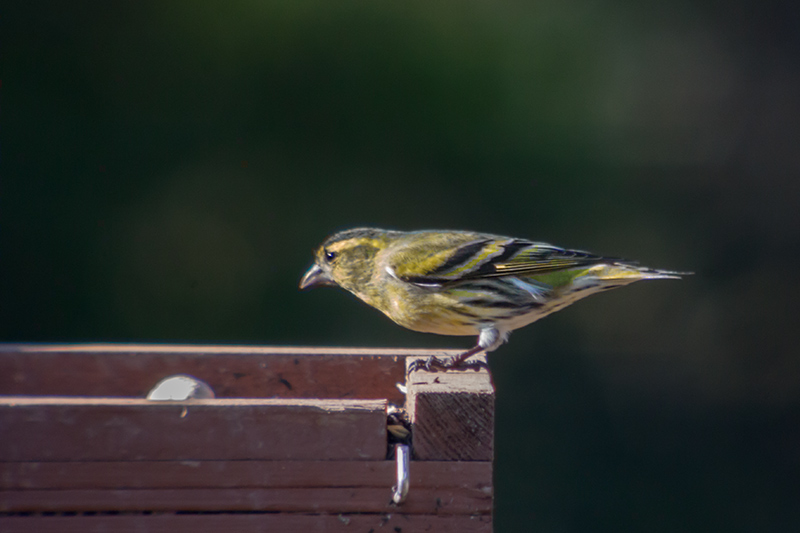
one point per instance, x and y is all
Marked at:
(402, 453)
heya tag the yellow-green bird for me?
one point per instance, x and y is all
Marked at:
(465, 283)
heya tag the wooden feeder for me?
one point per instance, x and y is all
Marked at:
(294, 440)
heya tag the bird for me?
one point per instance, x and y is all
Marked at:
(464, 283)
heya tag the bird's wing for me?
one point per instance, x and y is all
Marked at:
(543, 258)
(440, 259)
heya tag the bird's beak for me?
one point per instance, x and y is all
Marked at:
(315, 277)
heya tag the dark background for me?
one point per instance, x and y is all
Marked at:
(167, 168)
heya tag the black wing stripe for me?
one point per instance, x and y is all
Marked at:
(510, 249)
(458, 258)
(549, 262)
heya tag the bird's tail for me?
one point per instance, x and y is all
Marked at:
(628, 273)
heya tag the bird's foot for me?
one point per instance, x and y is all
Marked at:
(456, 362)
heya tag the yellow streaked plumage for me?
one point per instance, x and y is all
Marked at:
(465, 283)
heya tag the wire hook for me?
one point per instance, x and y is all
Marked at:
(402, 453)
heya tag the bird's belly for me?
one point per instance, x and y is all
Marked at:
(440, 321)
(431, 314)
(444, 327)
(446, 314)
(557, 303)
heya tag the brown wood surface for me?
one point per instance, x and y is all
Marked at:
(421, 500)
(108, 429)
(131, 370)
(452, 414)
(237, 474)
(295, 441)
(248, 523)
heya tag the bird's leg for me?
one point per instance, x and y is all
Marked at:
(435, 364)
(488, 340)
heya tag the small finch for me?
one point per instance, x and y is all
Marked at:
(465, 283)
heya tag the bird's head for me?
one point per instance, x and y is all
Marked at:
(346, 259)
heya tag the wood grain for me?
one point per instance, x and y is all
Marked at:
(108, 429)
(237, 474)
(295, 441)
(421, 500)
(131, 370)
(452, 414)
(248, 523)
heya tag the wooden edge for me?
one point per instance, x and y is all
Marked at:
(240, 523)
(217, 349)
(103, 429)
(452, 413)
(422, 500)
(131, 370)
(10, 402)
(21, 476)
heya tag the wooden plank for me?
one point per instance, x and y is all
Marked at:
(238, 474)
(107, 429)
(248, 523)
(452, 414)
(131, 370)
(421, 500)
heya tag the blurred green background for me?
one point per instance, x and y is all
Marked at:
(167, 168)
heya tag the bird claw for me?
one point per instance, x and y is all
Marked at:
(436, 364)
(431, 364)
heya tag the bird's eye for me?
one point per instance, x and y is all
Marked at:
(330, 256)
